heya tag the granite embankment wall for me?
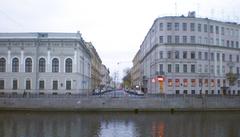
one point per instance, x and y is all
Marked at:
(181, 103)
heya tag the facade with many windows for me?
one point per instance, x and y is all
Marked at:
(190, 56)
(44, 62)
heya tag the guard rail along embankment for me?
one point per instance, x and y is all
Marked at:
(120, 103)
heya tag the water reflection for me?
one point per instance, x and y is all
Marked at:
(56, 124)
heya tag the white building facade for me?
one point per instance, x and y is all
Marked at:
(44, 62)
(191, 55)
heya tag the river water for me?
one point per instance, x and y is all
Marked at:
(100, 124)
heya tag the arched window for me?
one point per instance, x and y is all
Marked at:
(55, 65)
(28, 65)
(68, 65)
(15, 65)
(2, 65)
(42, 65)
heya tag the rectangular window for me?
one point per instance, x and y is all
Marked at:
(223, 42)
(206, 69)
(193, 82)
(169, 68)
(199, 55)
(193, 39)
(177, 39)
(232, 44)
(222, 30)
(184, 26)
(218, 56)
(185, 82)
(185, 92)
(169, 54)
(212, 83)
(1, 84)
(55, 85)
(238, 83)
(192, 55)
(161, 26)
(199, 68)
(218, 83)
(206, 82)
(161, 54)
(237, 58)
(177, 92)
(192, 26)
(211, 28)
(170, 83)
(184, 40)
(228, 43)
(205, 55)
(237, 44)
(212, 69)
(205, 28)
(41, 84)
(212, 56)
(177, 82)
(161, 68)
(161, 39)
(184, 54)
(199, 27)
(169, 26)
(193, 92)
(200, 83)
(218, 69)
(68, 85)
(223, 57)
(169, 39)
(217, 30)
(176, 26)
(15, 84)
(176, 54)
(28, 84)
(230, 57)
(193, 69)
(185, 68)
(177, 68)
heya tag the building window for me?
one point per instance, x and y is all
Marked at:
(238, 70)
(212, 56)
(223, 69)
(223, 42)
(177, 82)
(211, 28)
(205, 28)
(161, 39)
(177, 68)
(212, 83)
(55, 65)
(176, 26)
(228, 43)
(161, 26)
(193, 69)
(2, 65)
(169, 68)
(161, 68)
(200, 68)
(184, 39)
(176, 54)
(170, 83)
(193, 92)
(169, 54)
(212, 92)
(193, 39)
(184, 54)
(28, 84)
(206, 69)
(205, 55)
(199, 55)
(42, 65)
(193, 82)
(68, 85)
(200, 83)
(232, 44)
(184, 26)
(199, 27)
(206, 92)
(230, 57)
(28, 65)
(169, 26)
(238, 83)
(222, 30)
(192, 26)
(185, 91)
(192, 55)
(15, 84)
(160, 54)
(55, 85)
(212, 69)
(218, 56)
(68, 65)
(237, 44)
(177, 39)
(1, 84)
(185, 82)
(218, 83)
(185, 68)
(223, 57)
(169, 39)
(217, 30)
(206, 82)
(15, 65)
(218, 69)
(41, 84)
(177, 92)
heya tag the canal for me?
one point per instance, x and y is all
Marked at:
(124, 124)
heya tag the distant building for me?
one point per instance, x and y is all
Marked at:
(44, 62)
(189, 55)
(105, 76)
(135, 72)
(96, 63)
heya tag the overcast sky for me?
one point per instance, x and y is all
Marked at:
(115, 27)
